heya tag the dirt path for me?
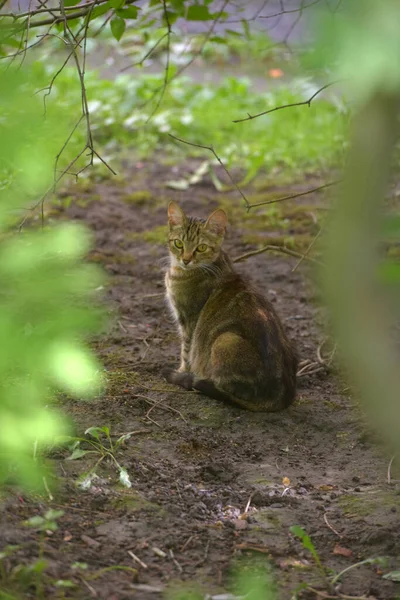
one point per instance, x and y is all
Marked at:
(196, 465)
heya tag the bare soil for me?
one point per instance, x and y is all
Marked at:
(213, 487)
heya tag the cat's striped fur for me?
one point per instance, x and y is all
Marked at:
(233, 345)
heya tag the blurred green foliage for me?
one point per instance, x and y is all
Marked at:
(362, 44)
(45, 290)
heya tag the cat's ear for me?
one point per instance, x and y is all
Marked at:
(217, 221)
(176, 216)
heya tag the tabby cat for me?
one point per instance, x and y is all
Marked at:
(234, 348)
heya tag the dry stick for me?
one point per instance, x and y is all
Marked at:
(298, 195)
(331, 528)
(303, 103)
(159, 405)
(342, 596)
(211, 149)
(271, 248)
(137, 559)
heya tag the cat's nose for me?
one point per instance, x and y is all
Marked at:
(186, 261)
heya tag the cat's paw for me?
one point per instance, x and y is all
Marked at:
(167, 374)
(185, 380)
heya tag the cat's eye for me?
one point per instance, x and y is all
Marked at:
(202, 248)
(178, 244)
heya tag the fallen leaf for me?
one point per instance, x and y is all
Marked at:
(326, 488)
(286, 481)
(341, 551)
(293, 562)
(67, 536)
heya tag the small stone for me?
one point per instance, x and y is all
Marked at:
(90, 541)
(240, 524)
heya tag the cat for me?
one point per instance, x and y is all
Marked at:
(233, 346)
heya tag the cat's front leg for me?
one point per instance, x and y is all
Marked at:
(185, 350)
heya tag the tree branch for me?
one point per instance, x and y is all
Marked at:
(211, 149)
(166, 71)
(316, 189)
(61, 19)
(303, 103)
(272, 248)
(287, 12)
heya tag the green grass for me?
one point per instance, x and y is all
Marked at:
(297, 139)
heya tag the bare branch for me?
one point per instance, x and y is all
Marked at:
(306, 253)
(166, 72)
(297, 195)
(303, 103)
(287, 12)
(68, 16)
(211, 149)
(141, 61)
(272, 248)
(196, 54)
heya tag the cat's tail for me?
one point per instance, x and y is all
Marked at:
(208, 388)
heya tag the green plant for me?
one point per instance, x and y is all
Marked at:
(47, 297)
(21, 578)
(100, 445)
(308, 545)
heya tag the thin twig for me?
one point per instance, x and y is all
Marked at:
(211, 149)
(287, 12)
(141, 61)
(292, 196)
(303, 103)
(342, 596)
(306, 253)
(166, 71)
(62, 17)
(271, 248)
(137, 559)
(161, 405)
(332, 528)
(389, 479)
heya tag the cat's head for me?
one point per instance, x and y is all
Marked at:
(194, 242)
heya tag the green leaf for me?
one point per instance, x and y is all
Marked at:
(197, 12)
(52, 515)
(217, 39)
(246, 29)
(117, 3)
(96, 431)
(65, 583)
(77, 453)
(392, 576)
(99, 10)
(233, 32)
(35, 522)
(130, 12)
(117, 27)
(71, 2)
